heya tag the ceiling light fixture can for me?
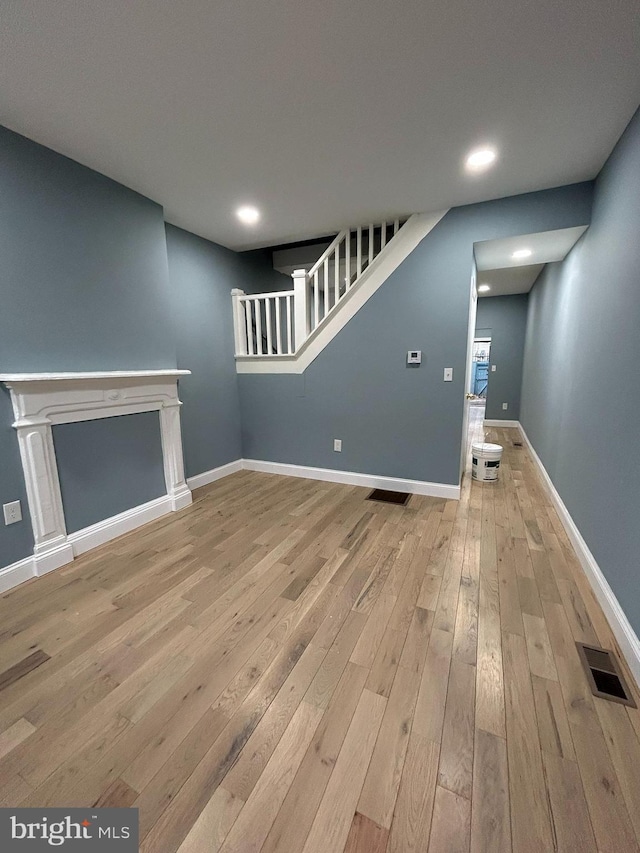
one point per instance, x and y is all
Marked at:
(248, 214)
(520, 254)
(484, 288)
(480, 159)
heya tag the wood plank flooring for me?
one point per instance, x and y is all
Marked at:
(285, 667)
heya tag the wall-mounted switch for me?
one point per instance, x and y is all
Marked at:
(337, 445)
(493, 368)
(448, 374)
(12, 512)
(505, 406)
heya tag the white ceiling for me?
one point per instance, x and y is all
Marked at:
(507, 275)
(506, 282)
(545, 247)
(321, 114)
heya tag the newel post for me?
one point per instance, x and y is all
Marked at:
(301, 307)
(239, 322)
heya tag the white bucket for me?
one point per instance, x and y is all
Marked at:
(486, 461)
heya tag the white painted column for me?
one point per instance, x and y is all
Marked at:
(171, 434)
(239, 321)
(301, 308)
(51, 548)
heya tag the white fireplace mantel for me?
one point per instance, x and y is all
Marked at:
(41, 400)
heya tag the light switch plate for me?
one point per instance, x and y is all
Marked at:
(12, 512)
(337, 445)
(493, 368)
(448, 374)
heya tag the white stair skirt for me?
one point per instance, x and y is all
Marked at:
(41, 400)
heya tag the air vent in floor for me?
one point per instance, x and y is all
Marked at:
(387, 497)
(603, 674)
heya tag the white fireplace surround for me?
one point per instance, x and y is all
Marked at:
(41, 400)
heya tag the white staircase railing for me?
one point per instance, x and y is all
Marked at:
(263, 323)
(277, 324)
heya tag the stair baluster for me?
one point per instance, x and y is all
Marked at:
(258, 318)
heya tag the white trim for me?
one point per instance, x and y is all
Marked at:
(104, 531)
(498, 423)
(89, 375)
(83, 540)
(50, 558)
(620, 625)
(397, 249)
(16, 573)
(199, 480)
(274, 293)
(471, 329)
(41, 400)
(351, 478)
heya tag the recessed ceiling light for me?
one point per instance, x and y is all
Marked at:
(484, 288)
(519, 254)
(480, 159)
(248, 215)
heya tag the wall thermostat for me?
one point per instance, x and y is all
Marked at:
(414, 356)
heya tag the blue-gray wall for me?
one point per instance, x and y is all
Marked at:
(202, 276)
(84, 267)
(92, 281)
(394, 420)
(581, 382)
(16, 541)
(504, 320)
(258, 263)
(85, 286)
(107, 466)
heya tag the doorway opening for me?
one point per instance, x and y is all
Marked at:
(479, 376)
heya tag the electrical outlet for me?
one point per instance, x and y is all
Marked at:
(12, 512)
(505, 406)
(337, 445)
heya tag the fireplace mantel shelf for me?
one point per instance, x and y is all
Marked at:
(104, 374)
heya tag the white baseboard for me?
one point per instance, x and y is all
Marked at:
(498, 423)
(620, 625)
(16, 573)
(83, 540)
(181, 498)
(214, 474)
(103, 531)
(35, 566)
(53, 557)
(351, 478)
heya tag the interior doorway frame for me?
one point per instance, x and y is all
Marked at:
(471, 332)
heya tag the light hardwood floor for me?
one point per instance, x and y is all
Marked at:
(287, 667)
